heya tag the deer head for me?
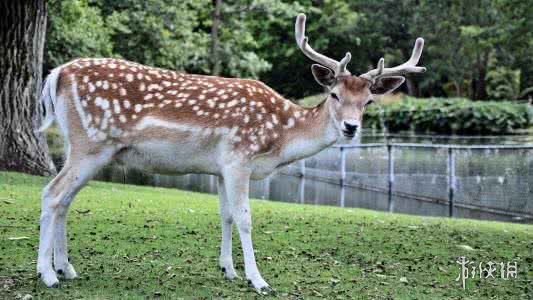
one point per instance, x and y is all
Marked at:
(349, 95)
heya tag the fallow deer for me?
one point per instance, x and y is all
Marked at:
(169, 122)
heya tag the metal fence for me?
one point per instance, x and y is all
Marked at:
(492, 179)
(492, 182)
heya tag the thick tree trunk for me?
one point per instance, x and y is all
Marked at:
(215, 42)
(22, 33)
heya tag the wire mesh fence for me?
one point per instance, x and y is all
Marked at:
(484, 181)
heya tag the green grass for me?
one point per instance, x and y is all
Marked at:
(136, 242)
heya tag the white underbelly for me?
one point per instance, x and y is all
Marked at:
(165, 157)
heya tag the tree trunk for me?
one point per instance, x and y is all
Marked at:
(411, 87)
(481, 92)
(22, 33)
(458, 90)
(215, 42)
(478, 80)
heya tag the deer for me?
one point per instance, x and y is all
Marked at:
(157, 120)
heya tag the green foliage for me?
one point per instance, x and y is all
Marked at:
(256, 39)
(452, 115)
(503, 83)
(163, 33)
(76, 30)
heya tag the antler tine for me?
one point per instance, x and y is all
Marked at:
(344, 62)
(405, 68)
(339, 68)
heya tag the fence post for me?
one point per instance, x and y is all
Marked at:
(343, 176)
(212, 184)
(451, 180)
(266, 188)
(302, 181)
(390, 177)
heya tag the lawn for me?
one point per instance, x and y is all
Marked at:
(130, 242)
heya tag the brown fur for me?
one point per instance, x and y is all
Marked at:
(260, 116)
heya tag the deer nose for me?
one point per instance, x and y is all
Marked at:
(350, 128)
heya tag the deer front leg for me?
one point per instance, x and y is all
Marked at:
(237, 183)
(226, 259)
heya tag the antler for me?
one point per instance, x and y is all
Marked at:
(339, 68)
(405, 68)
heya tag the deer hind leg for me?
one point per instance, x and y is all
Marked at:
(226, 259)
(237, 183)
(57, 197)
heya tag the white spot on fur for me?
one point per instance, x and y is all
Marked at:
(116, 106)
(290, 123)
(286, 105)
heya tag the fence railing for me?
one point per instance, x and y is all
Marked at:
(390, 147)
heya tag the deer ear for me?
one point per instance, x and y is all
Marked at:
(324, 76)
(386, 85)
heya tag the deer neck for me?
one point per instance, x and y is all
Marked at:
(314, 135)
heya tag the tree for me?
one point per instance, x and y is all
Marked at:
(163, 33)
(22, 32)
(76, 29)
(254, 38)
(215, 57)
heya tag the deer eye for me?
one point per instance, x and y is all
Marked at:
(369, 102)
(334, 96)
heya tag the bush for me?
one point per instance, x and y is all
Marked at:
(450, 115)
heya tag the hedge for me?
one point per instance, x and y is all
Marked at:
(450, 115)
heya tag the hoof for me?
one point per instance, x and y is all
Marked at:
(68, 272)
(261, 286)
(49, 279)
(230, 273)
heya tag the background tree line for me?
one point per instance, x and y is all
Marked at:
(480, 49)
